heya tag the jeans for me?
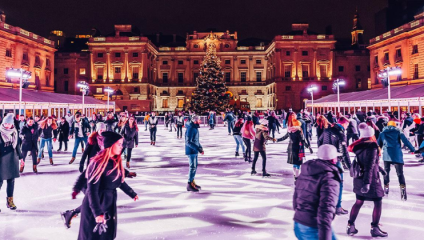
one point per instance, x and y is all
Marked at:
(145, 125)
(399, 172)
(10, 186)
(272, 130)
(239, 141)
(172, 126)
(248, 148)
(303, 232)
(78, 140)
(255, 159)
(192, 160)
(284, 123)
(339, 202)
(296, 166)
(153, 134)
(43, 141)
(230, 127)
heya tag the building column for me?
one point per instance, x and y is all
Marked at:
(314, 65)
(409, 107)
(398, 109)
(108, 66)
(126, 66)
(381, 108)
(296, 76)
(92, 73)
(419, 107)
(330, 70)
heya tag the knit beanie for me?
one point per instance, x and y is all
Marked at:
(365, 131)
(9, 118)
(110, 138)
(100, 126)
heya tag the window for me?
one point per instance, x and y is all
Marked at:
(117, 54)
(324, 88)
(65, 71)
(341, 68)
(99, 55)
(398, 53)
(99, 90)
(180, 62)
(8, 52)
(416, 71)
(288, 88)
(82, 71)
(165, 77)
(25, 56)
(414, 49)
(227, 45)
(323, 70)
(227, 61)
(376, 60)
(357, 68)
(136, 90)
(287, 53)
(196, 62)
(66, 86)
(243, 61)
(287, 71)
(195, 75)
(135, 54)
(304, 53)
(196, 46)
(180, 77)
(258, 76)
(259, 102)
(55, 71)
(258, 61)
(117, 69)
(228, 76)
(100, 73)
(180, 103)
(135, 73)
(386, 56)
(165, 62)
(37, 61)
(358, 83)
(48, 62)
(305, 71)
(243, 76)
(165, 103)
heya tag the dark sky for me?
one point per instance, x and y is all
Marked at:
(250, 18)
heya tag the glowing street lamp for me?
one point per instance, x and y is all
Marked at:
(311, 90)
(83, 85)
(384, 76)
(337, 83)
(23, 76)
(109, 91)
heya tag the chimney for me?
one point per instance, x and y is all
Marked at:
(174, 37)
(2, 16)
(157, 37)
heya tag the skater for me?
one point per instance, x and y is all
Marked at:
(261, 136)
(272, 119)
(390, 141)
(352, 131)
(248, 134)
(104, 174)
(297, 144)
(29, 135)
(192, 150)
(146, 121)
(110, 121)
(238, 138)
(121, 123)
(172, 122)
(63, 131)
(321, 125)
(211, 119)
(130, 134)
(48, 131)
(94, 145)
(153, 122)
(166, 120)
(315, 196)
(81, 130)
(10, 156)
(229, 118)
(180, 124)
(367, 187)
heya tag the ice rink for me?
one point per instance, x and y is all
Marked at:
(231, 205)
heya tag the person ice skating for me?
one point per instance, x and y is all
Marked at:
(336, 136)
(272, 124)
(367, 186)
(352, 130)
(192, 150)
(81, 130)
(110, 121)
(238, 138)
(211, 119)
(48, 132)
(172, 122)
(315, 196)
(321, 125)
(63, 131)
(29, 135)
(261, 136)
(146, 121)
(166, 119)
(248, 134)
(130, 134)
(153, 122)
(229, 118)
(94, 145)
(180, 124)
(390, 141)
(10, 156)
(121, 123)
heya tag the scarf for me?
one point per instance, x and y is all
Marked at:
(100, 141)
(363, 140)
(9, 136)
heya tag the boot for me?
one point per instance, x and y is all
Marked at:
(377, 232)
(151, 143)
(245, 157)
(72, 160)
(237, 154)
(154, 143)
(421, 161)
(82, 150)
(42, 155)
(10, 203)
(68, 216)
(253, 172)
(191, 187)
(21, 169)
(59, 150)
(250, 159)
(197, 186)
(351, 230)
(403, 195)
(341, 211)
(38, 160)
(265, 174)
(34, 168)
(51, 161)
(65, 150)
(128, 165)
(386, 189)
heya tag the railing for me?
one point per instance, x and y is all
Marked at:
(24, 33)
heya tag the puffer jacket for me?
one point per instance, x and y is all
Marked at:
(316, 195)
(248, 133)
(261, 136)
(192, 144)
(352, 128)
(390, 140)
(335, 136)
(130, 136)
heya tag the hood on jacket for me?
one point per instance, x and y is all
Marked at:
(318, 167)
(293, 129)
(391, 129)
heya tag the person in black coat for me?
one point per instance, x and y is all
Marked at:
(63, 131)
(94, 145)
(110, 121)
(104, 174)
(130, 134)
(382, 122)
(29, 135)
(367, 186)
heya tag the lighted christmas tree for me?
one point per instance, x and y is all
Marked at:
(210, 93)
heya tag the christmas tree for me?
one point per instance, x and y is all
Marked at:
(210, 93)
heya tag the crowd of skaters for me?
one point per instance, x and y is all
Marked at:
(104, 139)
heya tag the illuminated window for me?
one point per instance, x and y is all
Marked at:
(180, 103)
(165, 103)
(305, 71)
(323, 70)
(259, 102)
(117, 69)
(99, 73)
(99, 90)
(82, 71)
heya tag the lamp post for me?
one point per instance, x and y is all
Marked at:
(83, 85)
(109, 91)
(337, 83)
(384, 75)
(23, 76)
(311, 90)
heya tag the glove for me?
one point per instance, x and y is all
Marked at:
(101, 227)
(74, 194)
(382, 171)
(365, 188)
(132, 174)
(81, 169)
(310, 150)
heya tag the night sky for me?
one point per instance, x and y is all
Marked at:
(250, 18)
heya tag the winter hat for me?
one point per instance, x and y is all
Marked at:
(10, 118)
(100, 126)
(327, 152)
(391, 123)
(263, 122)
(110, 138)
(365, 131)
